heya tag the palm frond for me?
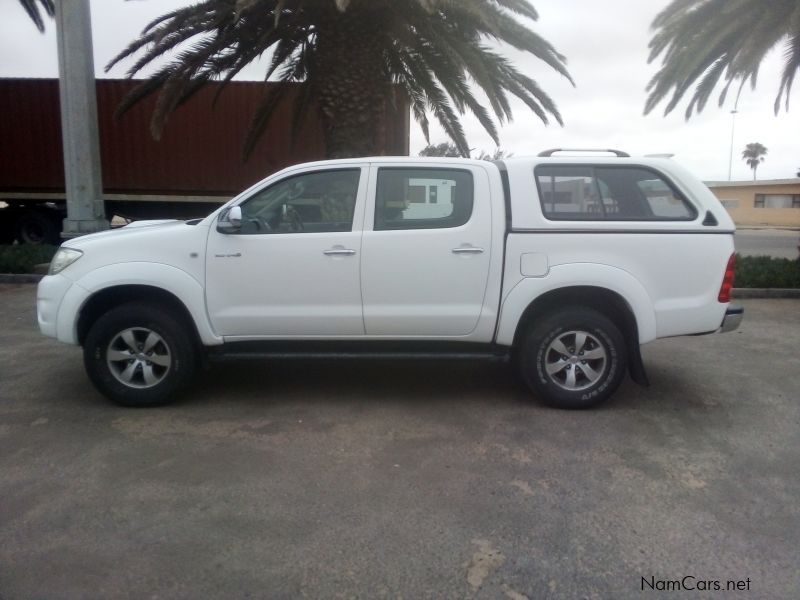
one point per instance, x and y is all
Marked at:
(436, 50)
(790, 69)
(705, 42)
(262, 117)
(32, 8)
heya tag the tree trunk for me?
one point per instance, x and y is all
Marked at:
(352, 82)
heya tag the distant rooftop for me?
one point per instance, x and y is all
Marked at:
(760, 182)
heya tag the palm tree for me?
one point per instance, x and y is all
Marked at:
(443, 149)
(32, 8)
(347, 54)
(498, 154)
(704, 41)
(451, 150)
(753, 155)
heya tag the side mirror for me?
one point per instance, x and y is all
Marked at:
(230, 221)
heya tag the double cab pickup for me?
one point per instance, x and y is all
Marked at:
(563, 265)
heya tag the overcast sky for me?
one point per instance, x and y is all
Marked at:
(606, 47)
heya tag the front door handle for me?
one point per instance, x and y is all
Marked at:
(467, 250)
(339, 252)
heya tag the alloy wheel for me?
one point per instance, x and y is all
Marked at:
(575, 360)
(138, 357)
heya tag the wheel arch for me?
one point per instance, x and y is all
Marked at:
(609, 290)
(108, 298)
(607, 302)
(584, 284)
(603, 300)
(102, 289)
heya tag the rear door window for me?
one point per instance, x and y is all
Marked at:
(422, 198)
(609, 193)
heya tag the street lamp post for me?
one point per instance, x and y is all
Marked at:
(79, 130)
(733, 127)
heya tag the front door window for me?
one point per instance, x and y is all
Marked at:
(312, 203)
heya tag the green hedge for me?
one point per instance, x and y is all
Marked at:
(766, 272)
(22, 258)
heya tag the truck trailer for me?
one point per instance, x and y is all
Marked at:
(195, 166)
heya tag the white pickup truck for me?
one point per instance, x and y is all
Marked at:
(563, 265)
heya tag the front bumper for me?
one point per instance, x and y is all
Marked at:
(732, 319)
(49, 295)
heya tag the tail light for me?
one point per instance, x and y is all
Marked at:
(727, 281)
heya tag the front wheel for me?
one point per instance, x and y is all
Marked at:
(573, 358)
(139, 355)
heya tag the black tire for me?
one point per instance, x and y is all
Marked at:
(38, 227)
(6, 228)
(597, 362)
(105, 344)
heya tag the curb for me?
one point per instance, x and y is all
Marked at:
(742, 293)
(19, 278)
(738, 293)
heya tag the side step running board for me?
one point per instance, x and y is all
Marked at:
(299, 355)
(359, 350)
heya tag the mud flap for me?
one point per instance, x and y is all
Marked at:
(636, 365)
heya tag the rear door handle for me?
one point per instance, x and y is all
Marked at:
(467, 250)
(339, 252)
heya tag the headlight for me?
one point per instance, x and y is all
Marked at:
(63, 258)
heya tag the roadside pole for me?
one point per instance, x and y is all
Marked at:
(79, 129)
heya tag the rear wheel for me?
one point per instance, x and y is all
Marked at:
(574, 357)
(139, 355)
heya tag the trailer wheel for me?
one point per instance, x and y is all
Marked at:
(6, 229)
(37, 227)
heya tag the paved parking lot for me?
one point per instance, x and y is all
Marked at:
(416, 480)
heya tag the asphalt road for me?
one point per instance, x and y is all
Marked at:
(433, 480)
(779, 243)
